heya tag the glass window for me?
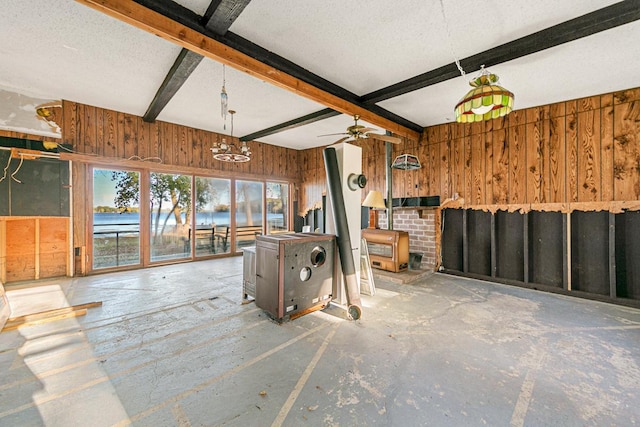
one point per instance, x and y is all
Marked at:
(170, 211)
(213, 216)
(116, 218)
(248, 212)
(277, 207)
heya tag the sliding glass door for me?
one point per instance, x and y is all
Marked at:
(277, 207)
(213, 216)
(170, 215)
(116, 218)
(248, 213)
(182, 217)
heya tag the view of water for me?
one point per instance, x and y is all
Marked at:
(127, 221)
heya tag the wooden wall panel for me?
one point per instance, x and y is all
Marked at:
(78, 141)
(433, 170)
(130, 136)
(477, 170)
(69, 120)
(606, 147)
(457, 169)
(121, 147)
(100, 132)
(90, 130)
(500, 173)
(164, 140)
(381, 174)
(422, 152)
(517, 177)
(627, 151)
(557, 160)
(534, 160)
(398, 182)
(445, 169)
(20, 249)
(572, 151)
(589, 184)
(412, 183)
(174, 143)
(468, 177)
(34, 248)
(185, 154)
(488, 165)
(111, 131)
(53, 247)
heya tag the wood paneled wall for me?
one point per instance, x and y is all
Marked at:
(111, 134)
(584, 152)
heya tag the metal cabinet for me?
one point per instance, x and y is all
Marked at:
(294, 272)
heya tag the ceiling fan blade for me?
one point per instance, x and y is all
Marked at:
(342, 140)
(333, 134)
(367, 130)
(388, 138)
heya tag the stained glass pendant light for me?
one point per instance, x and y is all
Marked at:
(485, 101)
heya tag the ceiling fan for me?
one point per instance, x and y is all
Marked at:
(357, 131)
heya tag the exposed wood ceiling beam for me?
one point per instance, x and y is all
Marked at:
(292, 124)
(185, 64)
(221, 13)
(218, 18)
(321, 115)
(582, 26)
(190, 34)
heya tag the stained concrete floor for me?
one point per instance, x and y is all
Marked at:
(174, 346)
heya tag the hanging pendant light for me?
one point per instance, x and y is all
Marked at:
(485, 101)
(229, 152)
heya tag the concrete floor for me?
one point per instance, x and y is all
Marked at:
(174, 346)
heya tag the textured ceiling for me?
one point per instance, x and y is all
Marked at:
(60, 49)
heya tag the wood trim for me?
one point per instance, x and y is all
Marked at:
(155, 23)
(161, 167)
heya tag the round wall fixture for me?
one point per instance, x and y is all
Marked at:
(356, 181)
(305, 274)
(318, 256)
